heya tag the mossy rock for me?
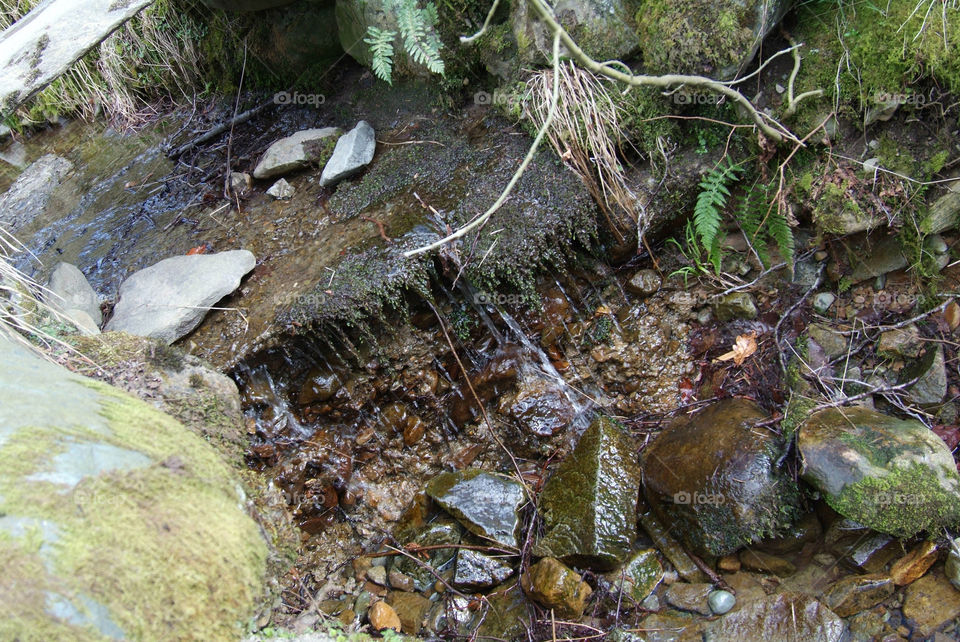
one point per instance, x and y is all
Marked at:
(115, 520)
(704, 37)
(589, 506)
(894, 476)
(714, 479)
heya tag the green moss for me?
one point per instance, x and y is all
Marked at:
(903, 503)
(164, 548)
(861, 53)
(700, 37)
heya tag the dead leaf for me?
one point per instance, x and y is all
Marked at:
(745, 345)
(952, 315)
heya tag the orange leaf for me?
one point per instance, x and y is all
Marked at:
(745, 345)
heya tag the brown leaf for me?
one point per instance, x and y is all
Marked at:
(745, 345)
(952, 315)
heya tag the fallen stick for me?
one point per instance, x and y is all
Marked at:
(220, 129)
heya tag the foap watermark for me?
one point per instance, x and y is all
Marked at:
(697, 98)
(913, 99)
(496, 298)
(885, 299)
(296, 98)
(686, 498)
(898, 499)
(508, 98)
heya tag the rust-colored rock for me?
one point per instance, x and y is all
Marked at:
(382, 616)
(911, 567)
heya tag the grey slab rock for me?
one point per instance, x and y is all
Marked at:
(28, 196)
(47, 41)
(168, 300)
(353, 152)
(69, 289)
(943, 213)
(295, 152)
(930, 371)
(82, 321)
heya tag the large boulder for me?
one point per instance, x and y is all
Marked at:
(30, 194)
(713, 478)
(704, 37)
(116, 522)
(589, 506)
(297, 151)
(169, 299)
(604, 29)
(894, 476)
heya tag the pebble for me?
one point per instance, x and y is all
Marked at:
(721, 601)
(382, 616)
(823, 301)
(377, 575)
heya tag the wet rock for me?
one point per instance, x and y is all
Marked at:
(476, 571)
(891, 475)
(169, 299)
(115, 520)
(555, 586)
(857, 593)
(689, 597)
(382, 616)
(931, 602)
(913, 565)
(486, 504)
(721, 602)
(411, 608)
(952, 566)
(589, 506)
(761, 562)
(451, 615)
(729, 564)
(442, 532)
(638, 577)
(644, 283)
(321, 385)
(70, 290)
(541, 409)
(782, 617)
(860, 546)
(669, 626)
(670, 547)
(805, 531)
(353, 152)
(506, 616)
(900, 343)
(931, 374)
(377, 575)
(30, 194)
(281, 190)
(297, 152)
(738, 305)
(715, 480)
(400, 581)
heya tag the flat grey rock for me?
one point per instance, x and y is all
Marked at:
(168, 300)
(296, 152)
(353, 152)
(28, 196)
(48, 40)
(70, 290)
(282, 190)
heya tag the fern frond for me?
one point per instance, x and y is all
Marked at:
(420, 39)
(782, 235)
(708, 211)
(381, 46)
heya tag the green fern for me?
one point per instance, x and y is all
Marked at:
(761, 222)
(418, 35)
(381, 46)
(708, 212)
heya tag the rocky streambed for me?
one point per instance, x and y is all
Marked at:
(512, 439)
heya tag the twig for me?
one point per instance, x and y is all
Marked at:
(786, 315)
(486, 23)
(219, 129)
(236, 106)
